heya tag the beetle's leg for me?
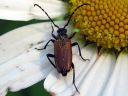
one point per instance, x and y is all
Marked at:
(52, 33)
(74, 44)
(72, 35)
(51, 55)
(46, 45)
(74, 78)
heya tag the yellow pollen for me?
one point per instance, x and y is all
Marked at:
(116, 27)
(104, 22)
(117, 21)
(126, 33)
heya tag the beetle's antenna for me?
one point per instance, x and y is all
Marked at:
(46, 14)
(73, 13)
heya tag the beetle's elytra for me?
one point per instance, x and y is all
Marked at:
(62, 48)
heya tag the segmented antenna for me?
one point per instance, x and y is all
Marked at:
(73, 13)
(46, 14)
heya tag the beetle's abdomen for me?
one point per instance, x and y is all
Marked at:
(63, 55)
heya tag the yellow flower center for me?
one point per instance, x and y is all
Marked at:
(103, 21)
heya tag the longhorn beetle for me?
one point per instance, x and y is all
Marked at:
(62, 47)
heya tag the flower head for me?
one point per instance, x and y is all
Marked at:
(103, 21)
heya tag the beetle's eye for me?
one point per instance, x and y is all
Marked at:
(65, 30)
(58, 31)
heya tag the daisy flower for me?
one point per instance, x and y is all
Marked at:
(103, 25)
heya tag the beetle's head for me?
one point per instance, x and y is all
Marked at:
(62, 31)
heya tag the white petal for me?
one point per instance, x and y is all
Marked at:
(34, 70)
(20, 64)
(53, 8)
(19, 40)
(30, 79)
(26, 70)
(95, 80)
(3, 90)
(118, 83)
(25, 10)
(57, 84)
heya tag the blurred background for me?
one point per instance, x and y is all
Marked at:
(37, 89)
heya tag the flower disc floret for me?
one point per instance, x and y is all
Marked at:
(104, 22)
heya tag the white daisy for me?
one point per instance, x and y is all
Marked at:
(21, 65)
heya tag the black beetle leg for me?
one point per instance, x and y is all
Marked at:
(51, 55)
(52, 33)
(74, 78)
(46, 45)
(72, 35)
(74, 44)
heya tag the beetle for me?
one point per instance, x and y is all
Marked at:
(62, 47)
